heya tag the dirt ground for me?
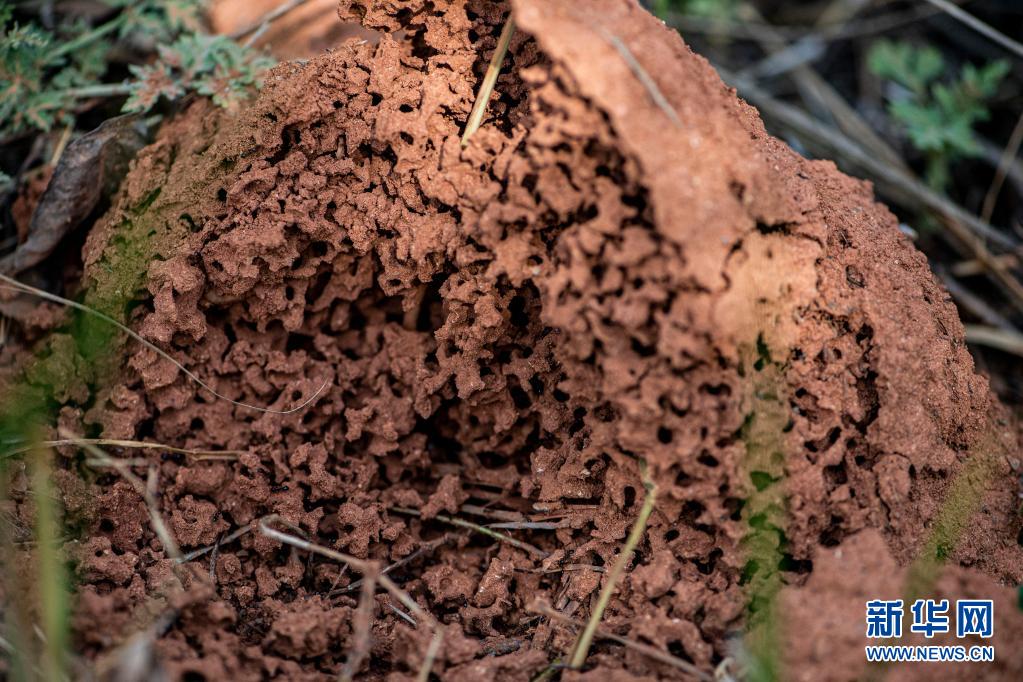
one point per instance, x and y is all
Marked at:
(622, 265)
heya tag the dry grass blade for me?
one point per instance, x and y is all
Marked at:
(489, 81)
(582, 645)
(200, 455)
(979, 26)
(26, 289)
(546, 609)
(364, 567)
(462, 523)
(143, 488)
(51, 582)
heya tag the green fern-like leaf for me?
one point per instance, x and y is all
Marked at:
(938, 114)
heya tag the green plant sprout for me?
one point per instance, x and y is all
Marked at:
(938, 115)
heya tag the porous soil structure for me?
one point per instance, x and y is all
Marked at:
(621, 266)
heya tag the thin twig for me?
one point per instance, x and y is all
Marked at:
(545, 609)
(488, 513)
(25, 288)
(531, 525)
(582, 645)
(390, 568)
(979, 26)
(973, 303)
(972, 267)
(256, 35)
(992, 155)
(195, 554)
(431, 655)
(572, 567)
(267, 19)
(361, 628)
(137, 445)
(170, 545)
(489, 81)
(1001, 339)
(462, 523)
(401, 614)
(1004, 164)
(363, 567)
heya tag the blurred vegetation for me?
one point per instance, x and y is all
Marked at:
(938, 115)
(712, 9)
(53, 65)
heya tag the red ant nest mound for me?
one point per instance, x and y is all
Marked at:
(621, 265)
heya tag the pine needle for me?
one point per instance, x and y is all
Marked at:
(582, 645)
(26, 289)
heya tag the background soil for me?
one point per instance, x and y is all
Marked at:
(307, 31)
(611, 270)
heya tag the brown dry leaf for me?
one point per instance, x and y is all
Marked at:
(92, 166)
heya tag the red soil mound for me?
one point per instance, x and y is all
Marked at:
(612, 270)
